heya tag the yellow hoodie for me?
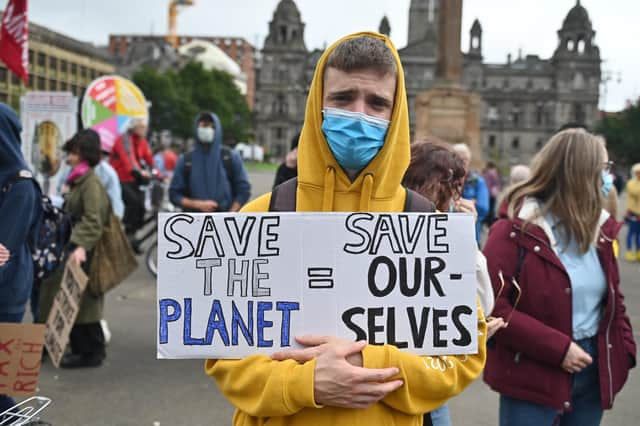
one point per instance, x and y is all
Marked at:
(267, 392)
(633, 196)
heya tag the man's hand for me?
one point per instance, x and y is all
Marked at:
(206, 206)
(576, 359)
(340, 380)
(4, 255)
(79, 255)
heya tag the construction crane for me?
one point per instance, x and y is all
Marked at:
(172, 36)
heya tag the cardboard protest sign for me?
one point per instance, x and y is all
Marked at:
(64, 311)
(20, 357)
(230, 285)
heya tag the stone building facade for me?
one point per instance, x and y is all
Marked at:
(523, 100)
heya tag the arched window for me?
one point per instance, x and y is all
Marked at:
(475, 42)
(570, 45)
(515, 143)
(492, 141)
(539, 113)
(578, 113)
(581, 46)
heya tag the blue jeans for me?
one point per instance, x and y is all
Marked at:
(633, 235)
(585, 395)
(440, 416)
(6, 401)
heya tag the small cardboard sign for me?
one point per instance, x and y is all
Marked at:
(20, 358)
(64, 311)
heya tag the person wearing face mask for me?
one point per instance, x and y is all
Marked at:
(352, 154)
(569, 345)
(211, 177)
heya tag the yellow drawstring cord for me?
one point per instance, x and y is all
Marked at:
(366, 192)
(329, 188)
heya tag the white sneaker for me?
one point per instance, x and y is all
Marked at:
(105, 331)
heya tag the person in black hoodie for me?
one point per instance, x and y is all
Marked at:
(20, 211)
(289, 168)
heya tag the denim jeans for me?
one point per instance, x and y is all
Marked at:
(585, 395)
(440, 416)
(6, 401)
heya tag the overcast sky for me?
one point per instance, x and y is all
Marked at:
(508, 25)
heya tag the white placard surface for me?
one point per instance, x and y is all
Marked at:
(232, 285)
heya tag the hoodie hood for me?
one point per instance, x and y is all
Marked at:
(217, 139)
(322, 184)
(209, 180)
(11, 159)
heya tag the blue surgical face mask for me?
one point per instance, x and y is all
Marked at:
(353, 137)
(607, 183)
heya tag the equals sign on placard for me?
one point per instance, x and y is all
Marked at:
(320, 277)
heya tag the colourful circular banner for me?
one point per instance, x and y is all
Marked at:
(109, 103)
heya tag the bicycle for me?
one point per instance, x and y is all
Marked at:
(25, 411)
(161, 204)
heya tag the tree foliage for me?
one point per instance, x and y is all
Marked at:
(177, 98)
(622, 131)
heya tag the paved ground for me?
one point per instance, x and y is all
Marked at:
(133, 388)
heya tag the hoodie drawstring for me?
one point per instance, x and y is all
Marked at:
(365, 193)
(329, 188)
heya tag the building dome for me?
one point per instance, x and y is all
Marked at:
(577, 18)
(287, 11)
(212, 57)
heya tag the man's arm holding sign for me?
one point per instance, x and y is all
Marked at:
(264, 387)
(422, 384)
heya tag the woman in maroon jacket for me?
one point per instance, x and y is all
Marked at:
(569, 345)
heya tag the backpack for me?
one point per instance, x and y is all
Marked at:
(225, 153)
(49, 236)
(283, 199)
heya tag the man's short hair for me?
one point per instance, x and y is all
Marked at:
(205, 117)
(363, 53)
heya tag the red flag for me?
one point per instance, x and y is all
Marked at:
(14, 37)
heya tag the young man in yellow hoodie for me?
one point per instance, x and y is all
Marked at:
(352, 155)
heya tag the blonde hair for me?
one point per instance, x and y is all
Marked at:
(635, 169)
(566, 180)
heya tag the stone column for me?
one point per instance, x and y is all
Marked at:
(449, 57)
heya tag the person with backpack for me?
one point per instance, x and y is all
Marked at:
(352, 155)
(87, 203)
(211, 177)
(20, 212)
(569, 345)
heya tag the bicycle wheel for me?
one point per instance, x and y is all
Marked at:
(151, 259)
